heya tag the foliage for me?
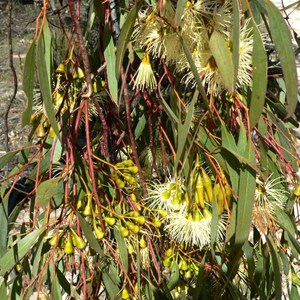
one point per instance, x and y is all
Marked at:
(161, 155)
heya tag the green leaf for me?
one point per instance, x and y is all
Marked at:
(18, 251)
(46, 191)
(223, 58)
(183, 130)
(28, 82)
(247, 185)
(45, 85)
(174, 277)
(4, 225)
(181, 4)
(3, 288)
(110, 58)
(6, 158)
(140, 127)
(55, 286)
(259, 62)
(276, 269)
(122, 248)
(111, 285)
(235, 39)
(93, 242)
(281, 37)
(193, 67)
(125, 35)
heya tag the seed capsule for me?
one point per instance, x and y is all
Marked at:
(200, 191)
(78, 241)
(124, 231)
(297, 190)
(69, 249)
(110, 221)
(88, 208)
(143, 243)
(54, 240)
(169, 252)
(207, 186)
(183, 265)
(140, 220)
(120, 183)
(133, 228)
(125, 294)
(133, 170)
(98, 232)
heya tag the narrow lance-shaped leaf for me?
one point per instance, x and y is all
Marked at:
(259, 65)
(193, 67)
(223, 58)
(276, 268)
(247, 184)
(183, 130)
(110, 58)
(282, 38)
(17, 252)
(28, 82)
(45, 84)
(181, 4)
(125, 35)
(235, 39)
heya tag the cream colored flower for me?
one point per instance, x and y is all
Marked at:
(165, 196)
(144, 77)
(192, 229)
(269, 193)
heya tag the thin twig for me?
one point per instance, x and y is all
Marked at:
(15, 88)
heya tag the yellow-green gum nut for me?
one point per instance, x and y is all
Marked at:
(79, 205)
(188, 274)
(167, 262)
(54, 240)
(134, 214)
(143, 243)
(68, 248)
(124, 231)
(183, 265)
(127, 163)
(120, 183)
(140, 220)
(130, 249)
(169, 252)
(40, 131)
(110, 221)
(163, 213)
(51, 132)
(156, 223)
(297, 190)
(133, 228)
(125, 294)
(98, 232)
(133, 170)
(60, 69)
(206, 213)
(88, 209)
(80, 73)
(207, 183)
(133, 197)
(166, 194)
(114, 175)
(78, 241)
(197, 216)
(131, 180)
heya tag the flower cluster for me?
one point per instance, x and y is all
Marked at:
(157, 33)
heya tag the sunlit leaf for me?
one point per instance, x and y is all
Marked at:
(282, 38)
(110, 58)
(46, 191)
(223, 58)
(125, 35)
(28, 82)
(259, 61)
(17, 252)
